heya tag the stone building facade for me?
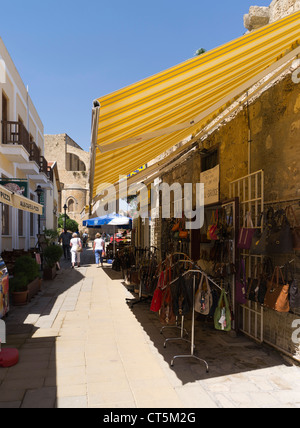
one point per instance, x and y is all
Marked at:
(261, 135)
(259, 16)
(73, 168)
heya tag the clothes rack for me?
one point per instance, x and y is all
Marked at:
(181, 327)
(192, 355)
(150, 258)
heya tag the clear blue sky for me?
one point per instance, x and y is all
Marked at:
(70, 52)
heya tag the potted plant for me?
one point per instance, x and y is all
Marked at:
(52, 256)
(26, 279)
(19, 290)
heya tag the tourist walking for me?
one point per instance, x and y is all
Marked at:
(76, 249)
(65, 239)
(98, 248)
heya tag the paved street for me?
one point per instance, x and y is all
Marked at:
(82, 346)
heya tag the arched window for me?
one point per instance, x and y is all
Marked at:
(71, 205)
(74, 163)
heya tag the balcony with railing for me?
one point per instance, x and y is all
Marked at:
(17, 147)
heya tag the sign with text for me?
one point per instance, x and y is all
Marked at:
(211, 181)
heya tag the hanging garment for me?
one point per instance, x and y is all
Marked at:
(167, 316)
(181, 300)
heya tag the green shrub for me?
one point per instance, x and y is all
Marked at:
(18, 283)
(52, 255)
(26, 267)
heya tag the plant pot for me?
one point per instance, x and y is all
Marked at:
(33, 288)
(49, 273)
(19, 298)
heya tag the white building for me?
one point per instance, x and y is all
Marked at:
(21, 158)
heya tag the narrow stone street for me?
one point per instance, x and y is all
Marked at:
(82, 346)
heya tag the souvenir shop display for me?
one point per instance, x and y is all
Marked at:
(246, 233)
(184, 289)
(277, 295)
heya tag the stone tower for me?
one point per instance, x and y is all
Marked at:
(73, 168)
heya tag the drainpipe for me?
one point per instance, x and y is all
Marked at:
(249, 137)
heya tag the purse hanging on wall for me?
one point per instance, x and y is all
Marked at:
(277, 296)
(246, 233)
(280, 239)
(241, 285)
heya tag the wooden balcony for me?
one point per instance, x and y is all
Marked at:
(15, 133)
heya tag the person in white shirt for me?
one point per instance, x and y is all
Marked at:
(75, 245)
(98, 248)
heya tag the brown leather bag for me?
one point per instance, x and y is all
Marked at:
(277, 296)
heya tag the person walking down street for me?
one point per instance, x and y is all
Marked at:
(65, 239)
(98, 248)
(76, 248)
(85, 238)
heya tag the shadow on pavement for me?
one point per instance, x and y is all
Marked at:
(224, 353)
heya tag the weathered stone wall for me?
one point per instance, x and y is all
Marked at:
(274, 121)
(259, 16)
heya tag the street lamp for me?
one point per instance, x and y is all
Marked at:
(65, 217)
(39, 191)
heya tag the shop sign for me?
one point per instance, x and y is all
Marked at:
(15, 185)
(5, 196)
(25, 204)
(211, 181)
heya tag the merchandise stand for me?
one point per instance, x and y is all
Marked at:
(141, 298)
(181, 327)
(192, 355)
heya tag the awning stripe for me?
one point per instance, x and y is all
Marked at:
(138, 123)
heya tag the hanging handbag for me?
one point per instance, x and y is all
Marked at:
(203, 297)
(167, 315)
(157, 295)
(295, 229)
(222, 315)
(253, 286)
(280, 239)
(212, 232)
(246, 233)
(294, 289)
(277, 296)
(241, 285)
(294, 295)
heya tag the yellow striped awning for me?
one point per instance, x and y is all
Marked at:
(140, 122)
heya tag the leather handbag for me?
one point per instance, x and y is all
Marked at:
(280, 239)
(294, 295)
(241, 285)
(246, 233)
(277, 296)
(294, 288)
